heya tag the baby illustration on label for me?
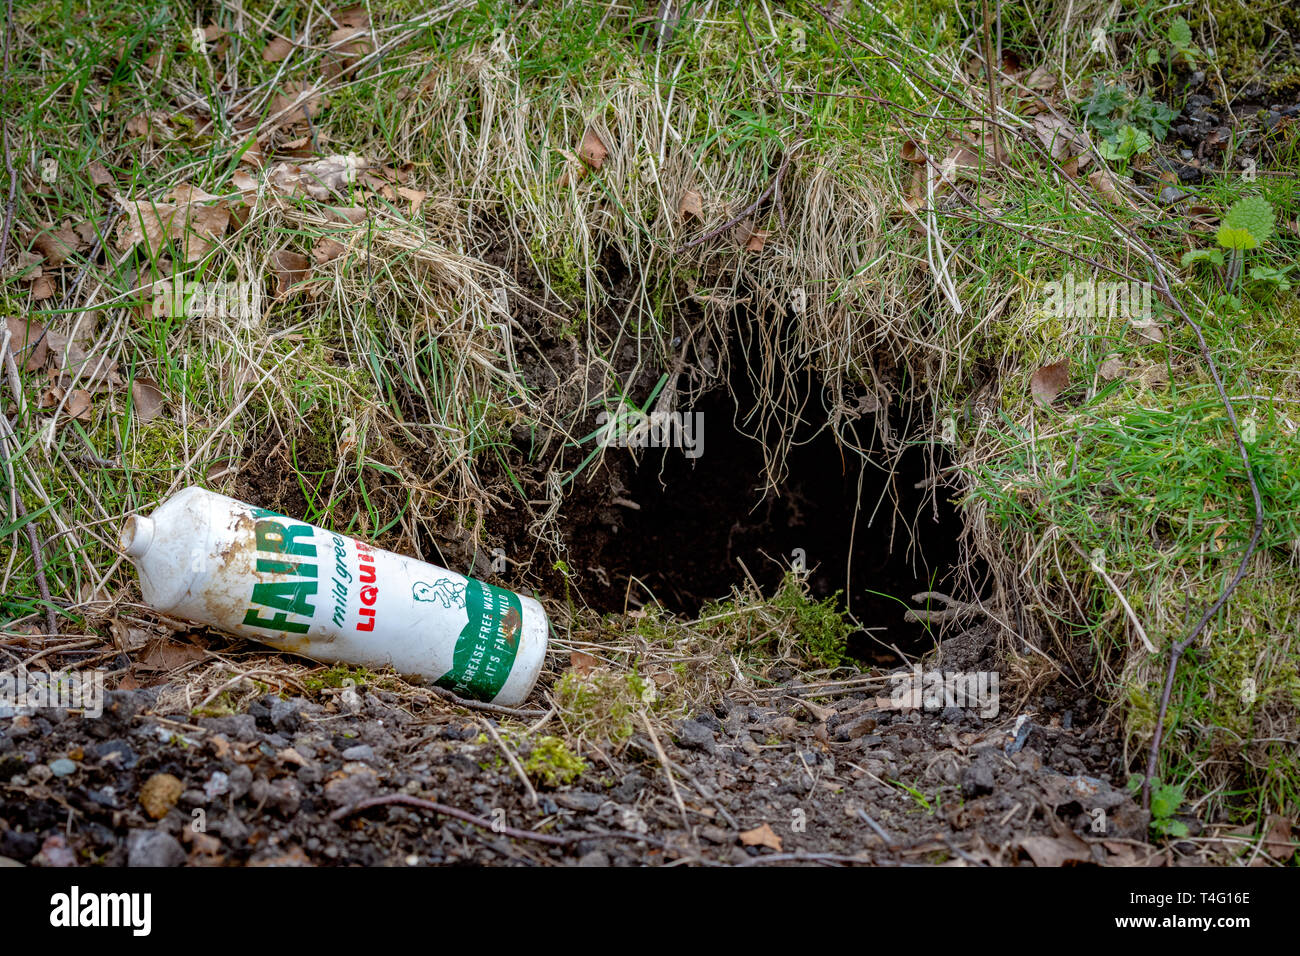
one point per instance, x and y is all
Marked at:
(446, 591)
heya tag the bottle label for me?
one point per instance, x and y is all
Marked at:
(320, 594)
(486, 649)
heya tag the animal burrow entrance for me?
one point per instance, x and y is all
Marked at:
(688, 529)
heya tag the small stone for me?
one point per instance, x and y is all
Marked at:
(63, 767)
(55, 852)
(359, 752)
(710, 721)
(159, 794)
(241, 727)
(692, 733)
(594, 858)
(241, 778)
(117, 753)
(216, 785)
(716, 835)
(352, 788)
(977, 780)
(39, 773)
(1172, 194)
(153, 848)
(233, 829)
(630, 788)
(854, 729)
(580, 800)
(785, 726)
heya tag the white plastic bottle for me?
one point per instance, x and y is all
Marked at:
(252, 572)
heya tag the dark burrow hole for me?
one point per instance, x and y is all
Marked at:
(698, 520)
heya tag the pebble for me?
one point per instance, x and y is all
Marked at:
(285, 714)
(159, 794)
(359, 752)
(977, 780)
(63, 767)
(153, 848)
(692, 733)
(216, 785)
(118, 753)
(579, 800)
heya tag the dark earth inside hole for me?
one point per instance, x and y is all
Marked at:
(699, 519)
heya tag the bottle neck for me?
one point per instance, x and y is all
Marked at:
(137, 536)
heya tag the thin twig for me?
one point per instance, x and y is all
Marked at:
(513, 761)
(668, 771)
(482, 706)
(773, 184)
(421, 804)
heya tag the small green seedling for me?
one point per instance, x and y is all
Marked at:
(1166, 798)
(1271, 277)
(1128, 125)
(1248, 225)
(1180, 46)
(1128, 142)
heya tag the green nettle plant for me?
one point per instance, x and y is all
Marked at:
(1127, 125)
(1166, 798)
(1180, 45)
(1248, 225)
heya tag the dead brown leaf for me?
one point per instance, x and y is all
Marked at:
(69, 359)
(1105, 183)
(1056, 851)
(1111, 369)
(78, 405)
(278, 49)
(149, 126)
(761, 836)
(583, 664)
(1042, 80)
(167, 655)
(1278, 843)
(912, 153)
(25, 266)
(323, 179)
(593, 150)
(100, 177)
(961, 162)
(692, 204)
(1048, 382)
(146, 399)
(414, 196)
(1061, 140)
(298, 104)
(191, 216)
(290, 269)
(57, 244)
(28, 343)
(42, 288)
(327, 250)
